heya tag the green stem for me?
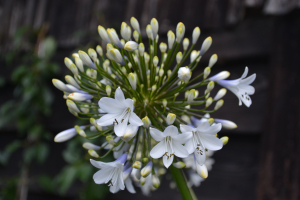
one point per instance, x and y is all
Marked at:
(186, 192)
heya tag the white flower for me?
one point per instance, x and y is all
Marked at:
(131, 46)
(194, 179)
(75, 96)
(66, 135)
(110, 173)
(203, 137)
(241, 87)
(170, 144)
(119, 112)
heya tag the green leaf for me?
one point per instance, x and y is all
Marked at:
(66, 178)
(42, 152)
(47, 183)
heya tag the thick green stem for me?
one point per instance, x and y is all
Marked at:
(186, 192)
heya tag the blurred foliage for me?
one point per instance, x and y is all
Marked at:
(32, 71)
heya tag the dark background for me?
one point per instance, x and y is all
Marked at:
(261, 160)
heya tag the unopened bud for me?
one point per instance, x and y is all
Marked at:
(169, 72)
(146, 170)
(219, 104)
(154, 26)
(224, 139)
(131, 46)
(196, 34)
(68, 62)
(103, 34)
(208, 102)
(76, 96)
(179, 165)
(137, 165)
(202, 171)
(220, 76)
(74, 69)
(136, 36)
(141, 49)
(184, 74)
(149, 32)
(99, 50)
(186, 118)
(180, 30)
(194, 55)
(210, 86)
(92, 53)
(155, 61)
(206, 72)
(221, 93)
(186, 43)
(205, 45)
(211, 121)
(226, 124)
(142, 181)
(146, 122)
(108, 90)
(93, 153)
(80, 131)
(135, 24)
(155, 181)
(88, 145)
(213, 59)
(161, 72)
(61, 86)
(132, 80)
(171, 39)
(178, 57)
(110, 140)
(153, 88)
(114, 38)
(164, 102)
(72, 106)
(86, 60)
(171, 118)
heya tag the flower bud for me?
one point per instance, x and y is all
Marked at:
(125, 31)
(80, 131)
(155, 61)
(115, 55)
(155, 181)
(213, 59)
(132, 80)
(146, 122)
(92, 53)
(79, 64)
(99, 50)
(194, 55)
(208, 102)
(164, 102)
(196, 34)
(75, 55)
(202, 170)
(161, 72)
(93, 121)
(69, 79)
(221, 93)
(226, 124)
(114, 38)
(65, 135)
(142, 181)
(184, 74)
(149, 32)
(206, 72)
(153, 88)
(141, 49)
(186, 118)
(76, 96)
(205, 46)
(136, 36)
(180, 30)
(103, 34)
(178, 57)
(72, 106)
(171, 118)
(61, 86)
(110, 140)
(147, 57)
(131, 46)
(219, 104)
(146, 170)
(169, 72)
(220, 76)
(171, 39)
(108, 90)
(137, 165)
(135, 24)
(68, 62)
(179, 165)
(185, 43)
(210, 86)
(154, 26)
(88, 145)
(86, 60)
(93, 153)
(74, 69)
(163, 47)
(224, 139)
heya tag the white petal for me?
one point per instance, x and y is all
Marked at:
(186, 128)
(183, 137)
(156, 134)
(158, 150)
(179, 150)
(211, 142)
(168, 161)
(107, 119)
(171, 131)
(100, 176)
(97, 164)
(212, 130)
(135, 120)
(129, 186)
(245, 72)
(110, 105)
(120, 127)
(119, 95)
(190, 146)
(200, 156)
(248, 80)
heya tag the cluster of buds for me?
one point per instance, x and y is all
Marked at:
(143, 104)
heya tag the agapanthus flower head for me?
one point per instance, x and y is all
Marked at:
(149, 107)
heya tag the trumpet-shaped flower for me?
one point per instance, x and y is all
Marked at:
(241, 87)
(110, 173)
(203, 137)
(170, 144)
(119, 112)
